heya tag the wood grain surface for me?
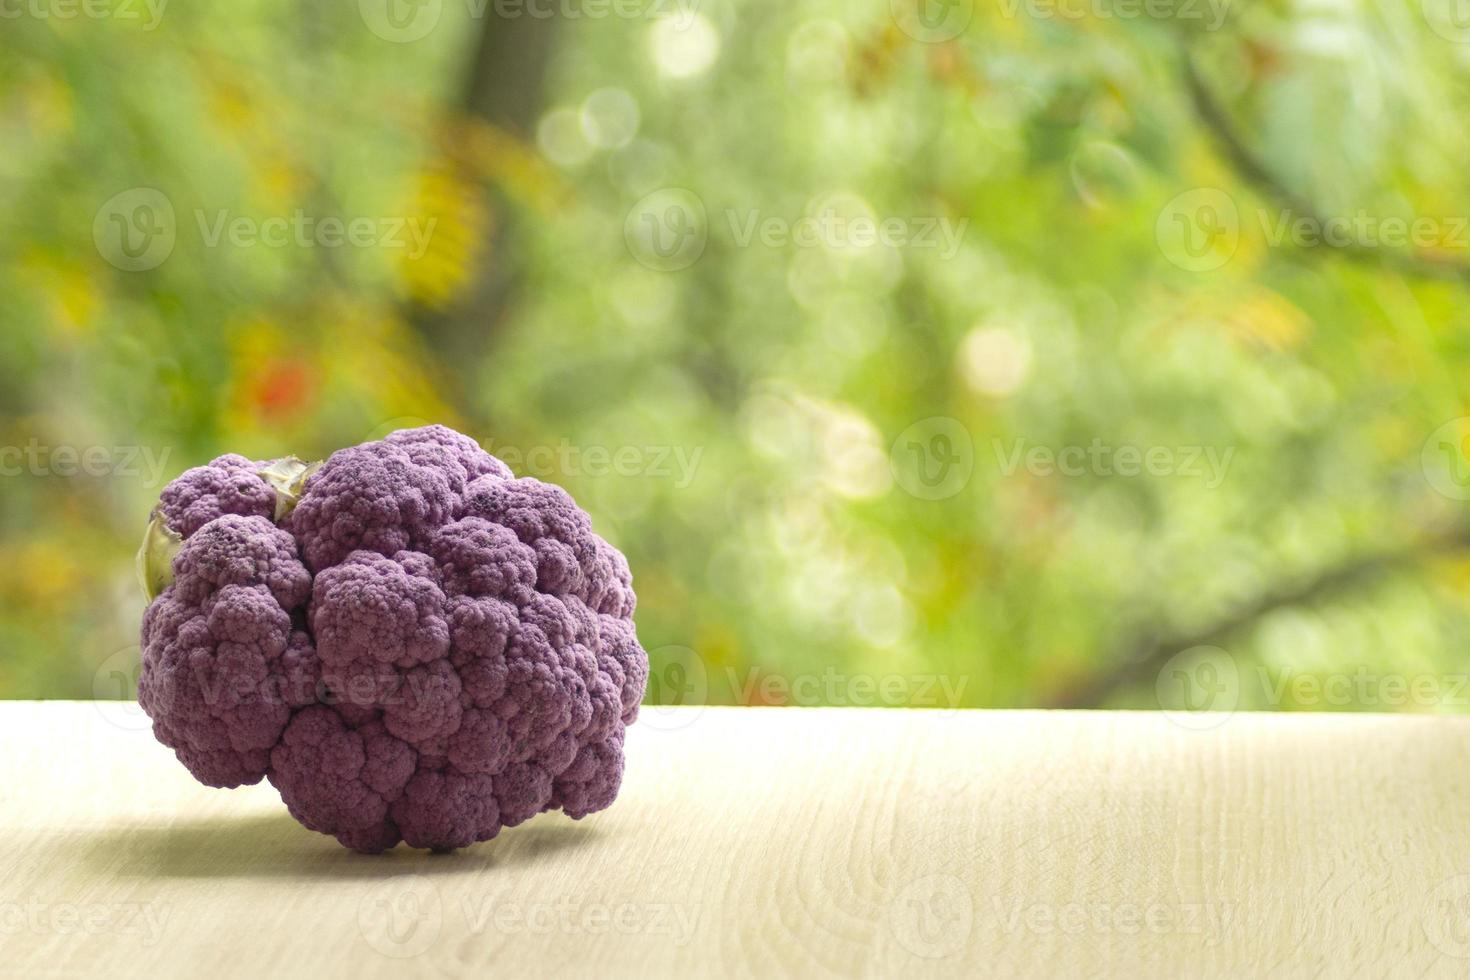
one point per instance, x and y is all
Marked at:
(780, 842)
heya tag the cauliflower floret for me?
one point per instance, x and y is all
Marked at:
(230, 484)
(372, 497)
(474, 461)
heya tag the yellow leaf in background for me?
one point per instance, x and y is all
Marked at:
(229, 104)
(667, 590)
(1452, 574)
(68, 288)
(275, 181)
(1266, 319)
(1000, 23)
(718, 645)
(379, 359)
(1435, 235)
(873, 59)
(235, 113)
(43, 572)
(46, 106)
(255, 338)
(509, 164)
(1394, 436)
(476, 164)
(1251, 316)
(456, 207)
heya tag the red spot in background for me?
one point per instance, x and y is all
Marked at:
(282, 388)
(1265, 60)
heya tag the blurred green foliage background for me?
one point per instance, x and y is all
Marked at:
(1097, 397)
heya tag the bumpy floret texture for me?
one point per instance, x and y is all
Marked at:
(425, 649)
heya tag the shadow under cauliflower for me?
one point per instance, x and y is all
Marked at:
(410, 643)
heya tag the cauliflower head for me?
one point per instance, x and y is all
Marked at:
(410, 643)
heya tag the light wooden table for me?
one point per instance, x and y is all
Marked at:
(780, 842)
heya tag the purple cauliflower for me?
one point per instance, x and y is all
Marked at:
(406, 640)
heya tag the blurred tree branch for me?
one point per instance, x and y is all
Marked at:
(1254, 170)
(1139, 660)
(1143, 657)
(504, 90)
